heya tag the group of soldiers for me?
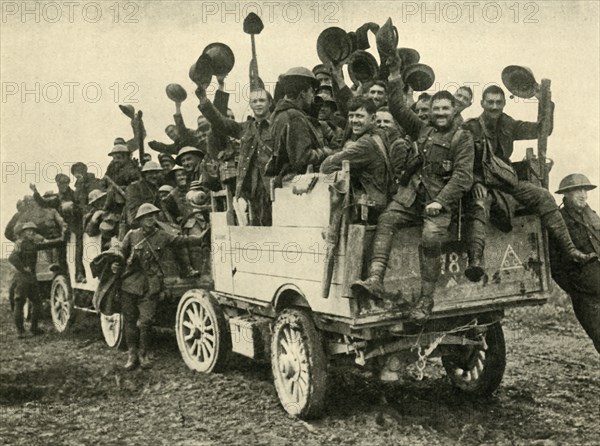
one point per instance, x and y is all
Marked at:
(416, 162)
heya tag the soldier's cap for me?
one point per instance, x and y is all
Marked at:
(191, 150)
(118, 148)
(146, 209)
(29, 225)
(303, 73)
(165, 188)
(119, 141)
(321, 69)
(95, 195)
(151, 166)
(62, 178)
(171, 173)
(575, 181)
(79, 167)
(163, 156)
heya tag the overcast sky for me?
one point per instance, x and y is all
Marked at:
(66, 65)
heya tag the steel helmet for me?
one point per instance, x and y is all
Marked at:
(519, 81)
(165, 188)
(333, 44)
(419, 77)
(151, 166)
(221, 56)
(301, 72)
(176, 93)
(171, 173)
(184, 150)
(95, 195)
(119, 148)
(146, 209)
(574, 181)
(29, 225)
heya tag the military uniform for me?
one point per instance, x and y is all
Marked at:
(441, 171)
(24, 259)
(142, 280)
(581, 282)
(256, 148)
(534, 198)
(136, 194)
(370, 166)
(297, 143)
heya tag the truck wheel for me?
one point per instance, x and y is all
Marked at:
(112, 330)
(61, 304)
(478, 370)
(299, 364)
(202, 335)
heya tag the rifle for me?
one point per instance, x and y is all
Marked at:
(139, 133)
(544, 108)
(114, 185)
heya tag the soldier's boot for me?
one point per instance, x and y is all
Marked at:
(133, 360)
(144, 356)
(475, 271)
(557, 227)
(35, 316)
(421, 309)
(19, 319)
(373, 284)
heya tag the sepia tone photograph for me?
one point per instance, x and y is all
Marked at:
(300, 222)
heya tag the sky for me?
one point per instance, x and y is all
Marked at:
(65, 66)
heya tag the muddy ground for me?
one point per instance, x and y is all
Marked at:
(71, 390)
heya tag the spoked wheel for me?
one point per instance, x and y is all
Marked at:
(478, 369)
(112, 330)
(299, 364)
(61, 303)
(202, 335)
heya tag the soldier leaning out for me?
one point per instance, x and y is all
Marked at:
(581, 282)
(142, 279)
(24, 259)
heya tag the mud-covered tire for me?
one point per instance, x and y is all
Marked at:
(299, 364)
(113, 330)
(202, 333)
(478, 370)
(61, 303)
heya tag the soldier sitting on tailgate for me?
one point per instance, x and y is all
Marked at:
(430, 190)
(142, 279)
(494, 133)
(24, 259)
(580, 282)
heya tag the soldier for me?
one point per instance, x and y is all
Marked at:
(142, 283)
(142, 191)
(464, 99)
(24, 259)
(326, 115)
(164, 191)
(297, 143)
(400, 143)
(175, 203)
(580, 282)
(430, 190)
(378, 92)
(193, 161)
(494, 133)
(322, 74)
(256, 148)
(422, 107)
(367, 152)
(121, 172)
(85, 182)
(68, 207)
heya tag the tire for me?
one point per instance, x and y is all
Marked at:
(113, 330)
(61, 304)
(478, 370)
(299, 364)
(202, 335)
